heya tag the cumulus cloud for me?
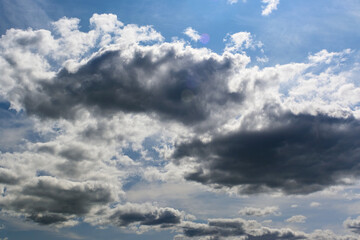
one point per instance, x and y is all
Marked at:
(226, 228)
(243, 229)
(259, 212)
(8, 177)
(240, 41)
(167, 80)
(106, 107)
(137, 217)
(47, 200)
(303, 155)
(353, 224)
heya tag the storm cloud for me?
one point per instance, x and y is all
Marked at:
(163, 80)
(47, 200)
(144, 215)
(297, 154)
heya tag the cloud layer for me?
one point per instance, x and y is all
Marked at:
(117, 103)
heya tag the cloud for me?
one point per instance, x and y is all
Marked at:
(232, 1)
(353, 224)
(298, 154)
(47, 200)
(315, 204)
(243, 229)
(8, 177)
(177, 85)
(192, 34)
(144, 215)
(270, 7)
(117, 103)
(296, 219)
(325, 56)
(259, 212)
(223, 228)
(240, 41)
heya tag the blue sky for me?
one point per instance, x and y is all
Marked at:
(202, 119)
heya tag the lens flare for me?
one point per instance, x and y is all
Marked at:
(205, 38)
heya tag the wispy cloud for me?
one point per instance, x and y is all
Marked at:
(259, 212)
(270, 7)
(296, 219)
(192, 34)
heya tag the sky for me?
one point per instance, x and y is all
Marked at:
(183, 120)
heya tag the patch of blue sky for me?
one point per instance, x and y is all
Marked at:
(14, 128)
(148, 155)
(40, 173)
(288, 34)
(131, 181)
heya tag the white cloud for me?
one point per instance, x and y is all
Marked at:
(232, 1)
(240, 41)
(325, 57)
(315, 204)
(192, 34)
(296, 219)
(259, 212)
(262, 59)
(270, 7)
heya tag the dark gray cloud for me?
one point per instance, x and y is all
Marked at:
(297, 154)
(138, 214)
(47, 219)
(223, 228)
(49, 201)
(174, 86)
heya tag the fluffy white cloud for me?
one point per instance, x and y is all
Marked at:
(240, 41)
